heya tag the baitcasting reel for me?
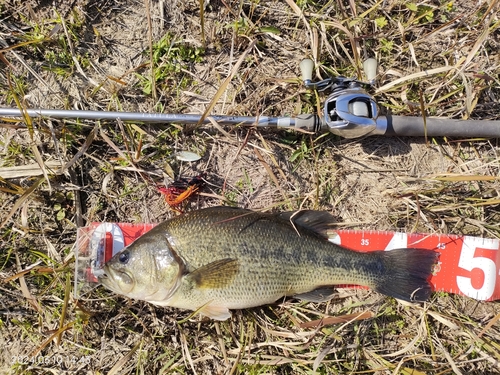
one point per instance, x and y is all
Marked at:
(348, 111)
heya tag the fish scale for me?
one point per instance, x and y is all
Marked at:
(277, 246)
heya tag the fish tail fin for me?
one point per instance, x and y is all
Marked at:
(407, 274)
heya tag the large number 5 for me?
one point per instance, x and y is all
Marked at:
(469, 262)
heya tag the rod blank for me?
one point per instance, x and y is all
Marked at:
(134, 116)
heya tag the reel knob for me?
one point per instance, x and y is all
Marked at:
(370, 67)
(306, 68)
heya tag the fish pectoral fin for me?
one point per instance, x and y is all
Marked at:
(317, 295)
(320, 222)
(215, 312)
(218, 274)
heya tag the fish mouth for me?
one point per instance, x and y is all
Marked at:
(105, 278)
(117, 281)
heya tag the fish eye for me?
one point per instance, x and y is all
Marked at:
(124, 257)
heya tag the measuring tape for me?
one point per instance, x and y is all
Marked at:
(468, 265)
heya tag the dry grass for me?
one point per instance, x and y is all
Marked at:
(95, 55)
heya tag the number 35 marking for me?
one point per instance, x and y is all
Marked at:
(469, 261)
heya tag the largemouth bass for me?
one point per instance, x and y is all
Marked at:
(221, 258)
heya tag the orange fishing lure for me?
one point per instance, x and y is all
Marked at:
(180, 190)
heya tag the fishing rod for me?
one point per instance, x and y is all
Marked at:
(349, 111)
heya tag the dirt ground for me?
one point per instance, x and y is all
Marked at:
(95, 55)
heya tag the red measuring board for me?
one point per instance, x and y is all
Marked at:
(467, 265)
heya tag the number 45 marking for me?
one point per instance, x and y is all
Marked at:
(469, 261)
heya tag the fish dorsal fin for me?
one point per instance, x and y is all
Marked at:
(217, 274)
(320, 222)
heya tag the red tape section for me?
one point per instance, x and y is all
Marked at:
(469, 266)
